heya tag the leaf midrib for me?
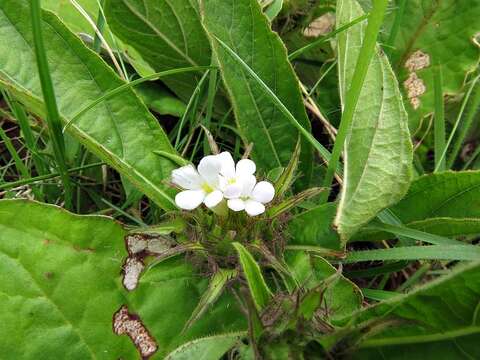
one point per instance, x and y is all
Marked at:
(160, 34)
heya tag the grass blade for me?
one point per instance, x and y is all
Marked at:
(472, 111)
(324, 153)
(439, 120)
(375, 20)
(415, 234)
(431, 252)
(129, 85)
(53, 116)
(326, 37)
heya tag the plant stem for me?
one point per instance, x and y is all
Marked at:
(439, 120)
(97, 42)
(472, 111)
(375, 20)
(11, 185)
(53, 116)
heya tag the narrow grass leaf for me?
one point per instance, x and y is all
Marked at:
(431, 252)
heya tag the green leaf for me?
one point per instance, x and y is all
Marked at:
(235, 26)
(167, 34)
(378, 295)
(65, 10)
(438, 320)
(435, 203)
(120, 130)
(341, 297)
(215, 288)
(258, 288)
(166, 297)
(314, 228)
(378, 152)
(433, 252)
(207, 348)
(273, 9)
(441, 195)
(431, 30)
(160, 100)
(58, 284)
(60, 287)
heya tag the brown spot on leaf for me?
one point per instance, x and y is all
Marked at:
(417, 61)
(414, 86)
(132, 326)
(142, 245)
(320, 26)
(132, 268)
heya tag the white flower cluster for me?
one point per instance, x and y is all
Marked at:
(218, 178)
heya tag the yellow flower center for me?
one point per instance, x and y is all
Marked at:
(207, 188)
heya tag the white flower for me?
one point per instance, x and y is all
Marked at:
(200, 186)
(231, 175)
(252, 196)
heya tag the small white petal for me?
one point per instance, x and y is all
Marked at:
(236, 204)
(254, 208)
(228, 165)
(190, 199)
(233, 190)
(263, 192)
(248, 183)
(213, 199)
(186, 177)
(209, 168)
(246, 167)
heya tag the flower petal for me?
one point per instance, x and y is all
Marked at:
(209, 168)
(228, 165)
(263, 192)
(236, 204)
(246, 167)
(254, 208)
(187, 177)
(232, 191)
(189, 199)
(248, 183)
(213, 199)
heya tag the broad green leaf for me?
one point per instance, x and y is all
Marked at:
(341, 298)
(449, 194)
(314, 228)
(167, 34)
(238, 25)
(207, 348)
(378, 151)
(165, 299)
(438, 320)
(60, 288)
(256, 283)
(58, 284)
(119, 130)
(435, 203)
(428, 32)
